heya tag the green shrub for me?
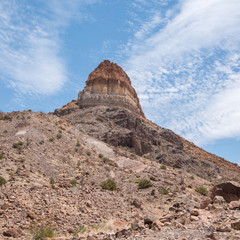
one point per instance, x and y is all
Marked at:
(51, 139)
(188, 171)
(144, 183)
(52, 181)
(202, 190)
(45, 230)
(77, 144)
(192, 177)
(59, 135)
(22, 160)
(15, 145)
(109, 184)
(18, 145)
(1, 156)
(108, 161)
(2, 181)
(163, 167)
(5, 131)
(163, 191)
(88, 153)
(100, 155)
(73, 183)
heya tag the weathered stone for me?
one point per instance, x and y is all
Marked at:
(213, 236)
(230, 191)
(194, 218)
(236, 225)
(11, 233)
(5, 206)
(194, 212)
(223, 228)
(149, 220)
(234, 205)
(219, 200)
(121, 233)
(204, 204)
(31, 215)
(136, 203)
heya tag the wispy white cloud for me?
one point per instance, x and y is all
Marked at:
(30, 44)
(187, 71)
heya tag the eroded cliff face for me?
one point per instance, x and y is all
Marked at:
(109, 85)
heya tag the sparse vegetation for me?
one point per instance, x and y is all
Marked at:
(59, 135)
(18, 145)
(192, 177)
(95, 226)
(5, 131)
(77, 144)
(52, 181)
(22, 160)
(108, 161)
(2, 181)
(78, 163)
(133, 156)
(81, 229)
(188, 171)
(42, 231)
(163, 191)
(144, 183)
(88, 153)
(163, 167)
(51, 139)
(109, 184)
(100, 155)
(202, 190)
(1, 156)
(41, 142)
(73, 183)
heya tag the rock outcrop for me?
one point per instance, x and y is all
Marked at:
(108, 109)
(109, 85)
(230, 191)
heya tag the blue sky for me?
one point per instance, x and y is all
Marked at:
(183, 58)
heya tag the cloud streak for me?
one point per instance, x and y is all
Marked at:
(187, 71)
(30, 44)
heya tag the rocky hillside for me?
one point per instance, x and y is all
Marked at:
(120, 125)
(97, 169)
(55, 181)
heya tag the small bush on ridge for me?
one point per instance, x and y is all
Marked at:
(202, 190)
(144, 183)
(109, 184)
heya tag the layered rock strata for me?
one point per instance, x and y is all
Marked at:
(109, 85)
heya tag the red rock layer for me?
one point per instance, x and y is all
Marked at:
(109, 85)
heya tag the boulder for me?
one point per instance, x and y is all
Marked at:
(236, 225)
(230, 191)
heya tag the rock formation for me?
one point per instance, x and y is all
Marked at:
(109, 85)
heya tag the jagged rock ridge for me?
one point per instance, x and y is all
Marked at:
(109, 85)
